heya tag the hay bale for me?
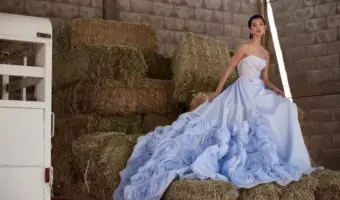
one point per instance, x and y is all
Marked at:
(262, 192)
(200, 190)
(151, 121)
(159, 67)
(97, 61)
(84, 32)
(100, 157)
(69, 128)
(198, 65)
(109, 97)
(329, 184)
(301, 190)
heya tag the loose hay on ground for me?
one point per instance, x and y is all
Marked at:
(109, 97)
(262, 192)
(200, 190)
(97, 61)
(198, 65)
(301, 190)
(329, 185)
(83, 32)
(100, 157)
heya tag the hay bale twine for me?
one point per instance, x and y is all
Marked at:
(110, 97)
(99, 159)
(200, 190)
(262, 192)
(97, 61)
(329, 184)
(301, 190)
(198, 65)
(84, 32)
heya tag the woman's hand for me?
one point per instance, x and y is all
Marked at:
(279, 92)
(212, 96)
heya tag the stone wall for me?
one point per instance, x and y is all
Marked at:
(59, 11)
(309, 32)
(222, 19)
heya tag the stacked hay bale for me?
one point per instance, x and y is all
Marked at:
(101, 82)
(100, 158)
(102, 100)
(84, 32)
(198, 64)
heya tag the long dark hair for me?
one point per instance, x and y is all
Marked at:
(257, 16)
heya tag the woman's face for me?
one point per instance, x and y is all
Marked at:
(257, 27)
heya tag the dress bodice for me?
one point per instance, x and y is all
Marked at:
(251, 66)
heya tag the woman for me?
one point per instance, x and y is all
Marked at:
(246, 135)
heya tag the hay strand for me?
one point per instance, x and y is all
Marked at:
(301, 115)
(84, 32)
(198, 65)
(109, 97)
(200, 190)
(96, 62)
(102, 156)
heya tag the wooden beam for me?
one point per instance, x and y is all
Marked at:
(23, 50)
(19, 70)
(20, 84)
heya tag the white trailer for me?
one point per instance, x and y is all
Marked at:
(26, 127)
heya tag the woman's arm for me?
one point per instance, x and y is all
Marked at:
(266, 80)
(238, 55)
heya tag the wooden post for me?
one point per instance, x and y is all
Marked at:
(110, 11)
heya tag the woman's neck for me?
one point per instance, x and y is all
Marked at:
(256, 41)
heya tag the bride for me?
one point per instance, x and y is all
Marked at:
(247, 135)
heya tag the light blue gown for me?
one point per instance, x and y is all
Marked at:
(247, 136)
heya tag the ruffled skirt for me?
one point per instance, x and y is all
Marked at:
(247, 136)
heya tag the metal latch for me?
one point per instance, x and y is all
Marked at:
(44, 35)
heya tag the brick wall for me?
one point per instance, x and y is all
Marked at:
(221, 19)
(59, 11)
(309, 32)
